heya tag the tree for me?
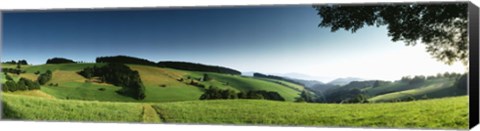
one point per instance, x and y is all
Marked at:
(305, 97)
(441, 27)
(4, 87)
(118, 74)
(11, 85)
(18, 71)
(461, 83)
(8, 77)
(45, 77)
(205, 77)
(23, 62)
(417, 79)
(27, 84)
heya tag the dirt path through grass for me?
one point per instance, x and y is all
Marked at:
(150, 115)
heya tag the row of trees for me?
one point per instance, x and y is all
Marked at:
(306, 96)
(420, 78)
(118, 75)
(352, 92)
(125, 60)
(197, 67)
(21, 62)
(13, 71)
(168, 64)
(260, 75)
(22, 84)
(217, 93)
(58, 60)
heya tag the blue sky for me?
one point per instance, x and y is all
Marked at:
(277, 40)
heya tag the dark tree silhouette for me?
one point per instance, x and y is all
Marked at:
(118, 74)
(58, 60)
(441, 27)
(45, 77)
(23, 62)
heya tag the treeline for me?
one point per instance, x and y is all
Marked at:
(22, 84)
(118, 75)
(13, 70)
(58, 60)
(352, 92)
(197, 67)
(21, 62)
(260, 75)
(421, 78)
(167, 64)
(124, 60)
(212, 93)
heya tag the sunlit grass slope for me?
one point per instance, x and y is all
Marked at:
(162, 84)
(446, 113)
(19, 107)
(437, 88)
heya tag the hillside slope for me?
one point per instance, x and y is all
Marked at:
(415, 114)
(162, 84)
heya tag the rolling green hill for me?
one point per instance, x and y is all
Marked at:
(171, 98)
(444, 113)
(162, 84)
(436, 88)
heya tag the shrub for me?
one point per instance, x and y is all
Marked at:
(45, 77)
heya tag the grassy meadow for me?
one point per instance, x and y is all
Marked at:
(171, 99)
(20, 107)
(444, 113)
(161, 84)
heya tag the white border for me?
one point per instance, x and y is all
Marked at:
(7, 5)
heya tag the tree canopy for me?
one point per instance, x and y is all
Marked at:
(118, 74)
(442, 27)
(58, 60)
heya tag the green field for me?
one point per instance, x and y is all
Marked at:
(429, 89)
(171, 99)
(444, 113)
(162, 84)
(37, 108)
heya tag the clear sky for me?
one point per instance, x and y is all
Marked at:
(272, 40)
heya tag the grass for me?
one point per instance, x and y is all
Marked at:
(86, 91)
(12, 65)
(430, 91)
(248, 83)
(65, 67)
(171, 94)
(35, 93)
(2, 78)
(403, 86)
(446, 113)
(150, 115)
(18, 107)
(161, 84)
